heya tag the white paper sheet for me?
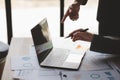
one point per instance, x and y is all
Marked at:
(24, 62)
(44, 75)
(36, 75)
(91, 75)
(31, 71)
(94, 61)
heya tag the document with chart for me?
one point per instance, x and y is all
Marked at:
(91, 75)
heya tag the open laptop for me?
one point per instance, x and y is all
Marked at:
(48, 55)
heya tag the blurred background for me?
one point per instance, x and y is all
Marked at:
(27, 13)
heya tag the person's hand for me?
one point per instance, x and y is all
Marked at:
(79, 34)
(72, 12)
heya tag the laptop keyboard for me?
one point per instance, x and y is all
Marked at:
(57, 56)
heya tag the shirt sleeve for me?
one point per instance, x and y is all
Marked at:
(105, 45)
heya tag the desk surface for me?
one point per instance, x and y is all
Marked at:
(16, 48)
(20, 46)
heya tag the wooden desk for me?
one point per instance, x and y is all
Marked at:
(16, 48)
(20, 46)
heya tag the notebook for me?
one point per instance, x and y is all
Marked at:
(50, 56)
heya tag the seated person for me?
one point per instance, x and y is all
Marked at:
(108, 40)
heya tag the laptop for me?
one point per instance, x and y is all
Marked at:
(50, 56)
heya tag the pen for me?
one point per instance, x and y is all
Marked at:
(60, 73)
(83, 30)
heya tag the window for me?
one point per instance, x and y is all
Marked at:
(3, 30)
(27, 13)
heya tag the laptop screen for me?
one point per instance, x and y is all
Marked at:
(42, 40)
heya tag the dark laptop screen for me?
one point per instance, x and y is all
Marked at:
(42, 40)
